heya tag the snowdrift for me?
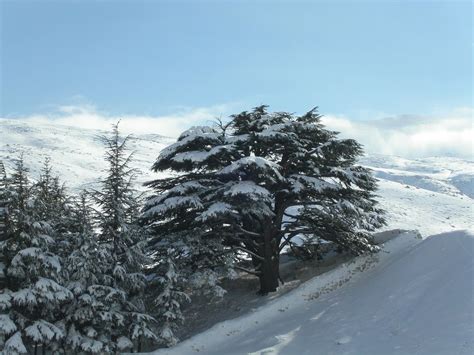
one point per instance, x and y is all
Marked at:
(414, 297)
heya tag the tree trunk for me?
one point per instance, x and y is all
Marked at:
(139, 348)
(270, 266)
(269, 275)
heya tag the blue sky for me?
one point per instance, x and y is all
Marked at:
(362, 59)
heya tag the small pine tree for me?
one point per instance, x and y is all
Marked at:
(52, 195)
(54, 207)
(123, 240)
(3, 219)
(88, 318)
(168, 303)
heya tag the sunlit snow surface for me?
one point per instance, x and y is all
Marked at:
(417, 298)
(77, 155)
(432, 195)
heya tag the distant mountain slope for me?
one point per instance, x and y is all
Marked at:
(438, 190)
(76, 154)
(415, 299)
(452, 176)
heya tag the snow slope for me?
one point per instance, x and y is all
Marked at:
(451, 176)
(432, 195)
(427, 211)
(415, 299)
(76, 154)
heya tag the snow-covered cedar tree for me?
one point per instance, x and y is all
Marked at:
(31, 301)
(259, 183)
(122, 241)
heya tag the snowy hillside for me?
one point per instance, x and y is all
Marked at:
(438, 190)
(415, 299)
(76, 154)
(446, 175)
(431, 195)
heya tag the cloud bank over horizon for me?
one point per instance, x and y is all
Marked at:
(88, 117)
(410, 136)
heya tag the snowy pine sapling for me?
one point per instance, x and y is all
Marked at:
(123, 240)
(253, 186)
(3, 219)
(168, 303)
(86, 271)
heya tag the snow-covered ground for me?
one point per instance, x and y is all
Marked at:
(427, 211)
(415, 298)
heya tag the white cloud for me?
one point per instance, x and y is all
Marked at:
(412, 136)
(408, 136)
(87, 116)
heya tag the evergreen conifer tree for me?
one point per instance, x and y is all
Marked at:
(169, 301)
(89, 319)
(31, 301)
(252, 186)
(122, 241)
(3, 218)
